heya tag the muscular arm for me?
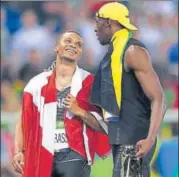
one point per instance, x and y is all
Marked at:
(91, 120)
(139, 60)
(18, 138)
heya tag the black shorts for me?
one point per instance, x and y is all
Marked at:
(70, 164)
(127, 165)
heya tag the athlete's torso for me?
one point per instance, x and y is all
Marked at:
(134, 115)
(60, 133)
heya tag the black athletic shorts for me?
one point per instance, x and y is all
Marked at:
(70, 164)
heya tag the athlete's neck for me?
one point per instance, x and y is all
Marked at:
(114, 30)
(65, 68)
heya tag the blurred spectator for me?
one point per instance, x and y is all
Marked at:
(13, 17)
(155, 26)
(173, 59)
(6, 69)
(9, 99)
(31, 68)
(173, 53)
(28, 42)
(31, 35)
(176, 99)
(53, 14)
(93, 50)
(173, 70)
(157, 23)
(166, 8)
(150, 33)
(4, 34)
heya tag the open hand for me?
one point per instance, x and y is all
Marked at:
(18, 162)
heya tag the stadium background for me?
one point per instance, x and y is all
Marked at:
(28, 35)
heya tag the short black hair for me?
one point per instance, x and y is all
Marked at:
(70, 31)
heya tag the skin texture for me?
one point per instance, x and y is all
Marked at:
(69, 50)
(70, 45)
(103, 31)
(18, 158)
(105, 28)
(139, 60)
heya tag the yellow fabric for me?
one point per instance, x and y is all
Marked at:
(153, 173)
(119, 40)
(118, 12)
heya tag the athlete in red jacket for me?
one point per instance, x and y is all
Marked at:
(60, 131)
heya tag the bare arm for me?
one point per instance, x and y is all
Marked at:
(18, 138)
(18, 158)
(91, 120)
(139, 60)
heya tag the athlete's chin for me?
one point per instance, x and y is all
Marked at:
(69, 58)
(103, 42)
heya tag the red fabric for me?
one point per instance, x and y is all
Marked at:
(35, 154)
(98, 142)
(95, 6)
(175, 105)
(38, 160)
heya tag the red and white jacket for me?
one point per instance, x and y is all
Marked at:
(39, 121)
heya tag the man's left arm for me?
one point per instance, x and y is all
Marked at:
(92, 118)
(139, 60)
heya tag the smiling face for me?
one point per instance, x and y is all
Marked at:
(70, 46)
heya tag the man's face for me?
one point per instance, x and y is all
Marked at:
(102, 31)
(34, 56)
(70, 46)
(29, 19)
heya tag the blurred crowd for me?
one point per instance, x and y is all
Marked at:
(29, 31)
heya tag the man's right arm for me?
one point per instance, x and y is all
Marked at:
(18, 138)
(22, 130)
(18, 158)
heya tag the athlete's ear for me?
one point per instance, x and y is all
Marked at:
(108, 23)
(56, 49)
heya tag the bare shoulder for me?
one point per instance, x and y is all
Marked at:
(138, 58)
